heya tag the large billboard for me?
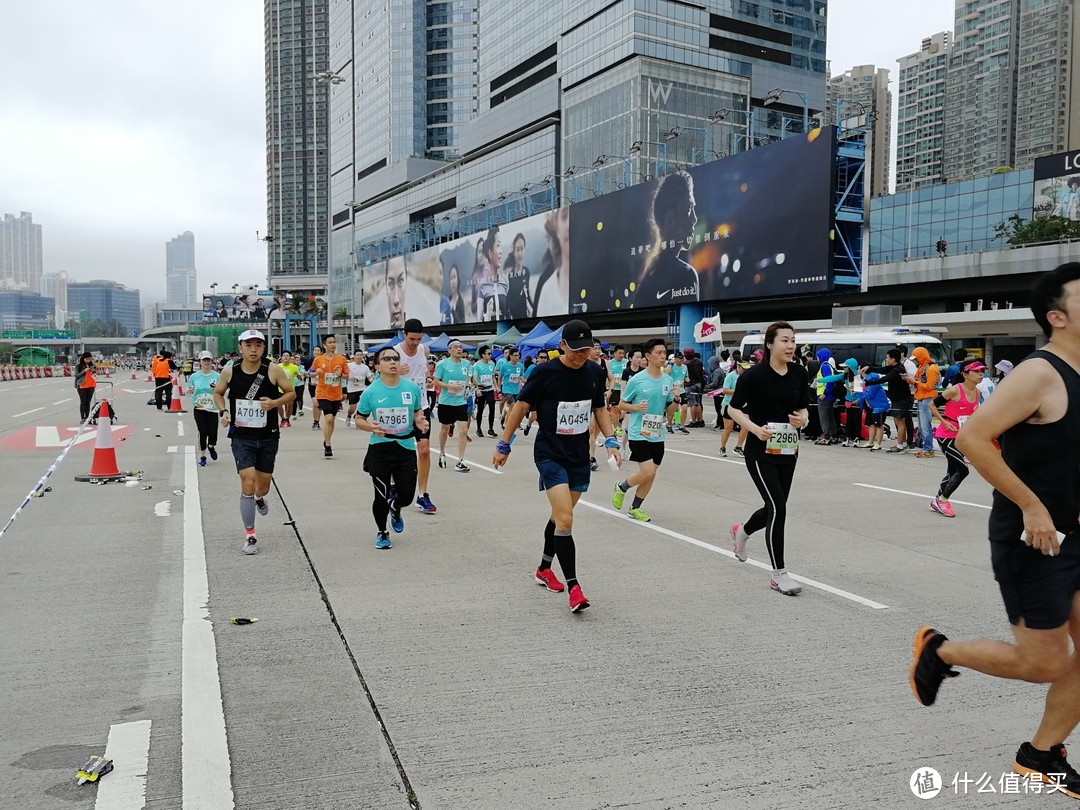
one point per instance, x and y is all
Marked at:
(247, 306)
(755, 224)
(399, 289)
(1057, 187)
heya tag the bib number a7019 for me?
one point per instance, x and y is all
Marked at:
(249, 414)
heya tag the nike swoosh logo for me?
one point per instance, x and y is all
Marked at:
(660, 295)
(383, 399)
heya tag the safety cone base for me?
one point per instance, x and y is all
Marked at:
(103, 467)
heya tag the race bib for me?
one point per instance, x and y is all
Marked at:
(331, 378)
(204, 402)
(784, 441)
(393, 420)
(358, 382)
(652, 424)
(572, 418)
(249, 414)
(485, 380)
(514, 379)
(960, 420)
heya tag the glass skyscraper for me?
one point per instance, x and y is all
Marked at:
(106, 301)
(181, 278)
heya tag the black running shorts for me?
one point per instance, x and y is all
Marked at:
(449, 414)
(641, 450)
(1034, 586)
(328, 407)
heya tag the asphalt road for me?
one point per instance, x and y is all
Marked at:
(688, 683)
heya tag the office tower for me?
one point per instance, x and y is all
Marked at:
(149, 317)
(297, 82)
(860, 96)
(920, 129)
(181, 284)
(54, 286)
(20, 253)
(112, 303)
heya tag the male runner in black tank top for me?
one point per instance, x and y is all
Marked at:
(251, 416)
(1034, 534)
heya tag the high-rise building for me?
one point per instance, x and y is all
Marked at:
(181, 282)
(474, 105)
(112, 303)
(21, 263)
(860, 96)
(54, 286)
(24, 310)
(920, 127)
(297, 130)
(149, 317)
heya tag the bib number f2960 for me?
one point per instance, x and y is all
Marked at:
(249, 414)
(784, 441)
(572, 418)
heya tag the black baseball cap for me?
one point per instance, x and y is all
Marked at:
(412, 325)
(577, 335)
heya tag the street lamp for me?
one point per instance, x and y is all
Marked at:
(721, 116)
(661, 163)
(675, 132)
(773, 96)
(602, 160)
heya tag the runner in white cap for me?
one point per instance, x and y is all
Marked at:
(205, 410)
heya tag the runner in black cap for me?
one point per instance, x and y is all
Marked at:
(566, 393)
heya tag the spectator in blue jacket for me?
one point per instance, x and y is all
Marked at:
(875, 403)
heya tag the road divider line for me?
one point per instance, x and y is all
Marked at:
(129, 749)
(476, 464)
(710, 458)
(61, 402)
(180, 429)
(25, 413)
(919, 495)
(813, 583)
(205, 765)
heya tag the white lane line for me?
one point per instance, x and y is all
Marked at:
(813, 583)
(163, 508)
(472, 463)
(920, 495)
(710, 458)
(61, 402)
(129, 749)
(171, 448)
(206, 767)
(24, 413)
(180, 429)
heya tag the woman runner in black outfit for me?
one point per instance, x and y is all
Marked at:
(770, 403)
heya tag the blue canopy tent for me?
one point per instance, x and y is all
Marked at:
(389, 344)
(540, 329)
(442, 344)
(547, 341)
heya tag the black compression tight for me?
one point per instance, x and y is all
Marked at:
(405, 481)
(773, 482)
(957, 470)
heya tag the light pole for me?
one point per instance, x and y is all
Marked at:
(675, 132)
(720, 116)
(773, 96)
(602, 160)
(660, 165)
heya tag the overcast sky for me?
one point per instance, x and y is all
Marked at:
(126, 122)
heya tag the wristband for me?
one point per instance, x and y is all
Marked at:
(502, 447)
(611, 443)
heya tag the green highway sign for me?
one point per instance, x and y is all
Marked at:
(16, 334)
(36, 334)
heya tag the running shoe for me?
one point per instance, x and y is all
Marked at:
(671, 430)
(617, 496)
(639, 514)
(847, 443)
(314, 425)
(723, 452)
(548, 579)
(397, 522)
(896, 450)
(875, 448)
(492, 434)
(942, 507)
(925, 454)
(1050, 767)
(618, 432)
(382, 540)
(927, 670)
(781, 581)
(212, 452)
(328, 451)
(442, 462)
(286, 423)
(739, 452)
(260, 504)
(300, 412)
(462, 467)
(824, 440)
(250, 545)
(738, 546)
(424, 504)
(528, 427)
(684, 430)
(864, 445)
(479, 434)
(593, 465)
(202, 461)
(577, 599)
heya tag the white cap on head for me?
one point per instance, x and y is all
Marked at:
(205, 356)
(252, 334)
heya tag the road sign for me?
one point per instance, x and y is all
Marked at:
(17, 334)
(53, 334)
(265, 293)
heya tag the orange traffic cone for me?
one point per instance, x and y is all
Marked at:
(103, 467)
(133, 375)
(149, 377)
(174, 406)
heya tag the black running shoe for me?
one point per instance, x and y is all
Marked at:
(1050, 767)
(328, 451)
(492, 434)
(927, 669)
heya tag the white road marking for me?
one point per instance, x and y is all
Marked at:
(61, 402)
(710, 458)
(163, 508)
(206, 767)
(472, 463)
(180, 429)
(920, 495)
(813, 583)
(129, 749)
(171, 448)
(24, 413)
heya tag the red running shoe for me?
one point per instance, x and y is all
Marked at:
(577, 599)
(547, 578)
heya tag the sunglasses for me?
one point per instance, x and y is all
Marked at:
(393, 358)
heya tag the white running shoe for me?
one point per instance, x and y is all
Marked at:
(250, 546)
(738, 541)
(782, 581)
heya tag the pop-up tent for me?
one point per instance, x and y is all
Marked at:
(442, 344)
(540, 329)
(548, 341)
(511, 337)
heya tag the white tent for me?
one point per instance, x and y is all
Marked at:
(707, 330)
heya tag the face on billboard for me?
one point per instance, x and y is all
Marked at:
(754, 224)
(398, 289)
(236, 307)
(1056, 191)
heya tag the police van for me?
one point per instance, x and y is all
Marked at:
(868, 346)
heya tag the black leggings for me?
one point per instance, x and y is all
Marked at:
(86, 398)
(388, 463)
(773, 482)
(957, 470)
(207, 423)
(299, 401)
(485, 398)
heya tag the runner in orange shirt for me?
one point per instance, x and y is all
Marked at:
(330, 368)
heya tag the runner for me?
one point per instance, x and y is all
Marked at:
(731, 379)
(329, 368)
(204, 408)
(1035, 414)
(541, 358)
(678, 385)
(770, 403)
(597, 357)
(415, 364)
(360, 378)
(635, 364)
(312, 379)
(484, 379)
(960, 402)
(615, 370)
(650, 401)
(452, 378)
(510, 372)
(564, 392)
(295, 377)
(251, 386)
(392, 409)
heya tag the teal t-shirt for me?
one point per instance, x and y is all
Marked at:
(530, 369)
(730, 380)
(616, 367)
(394, 409)
(450, 372)
(651, 425)
(484, 374)
(202, 390)
(678, 375)
(510, 377)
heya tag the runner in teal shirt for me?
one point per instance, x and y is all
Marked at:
(394, 408)
(205, 410)
(456, 375)
(510, 374)
(657, 394)
(678, 386)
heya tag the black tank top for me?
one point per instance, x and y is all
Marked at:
(1047, 459)
(244, 386)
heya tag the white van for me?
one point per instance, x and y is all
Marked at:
(865, 345)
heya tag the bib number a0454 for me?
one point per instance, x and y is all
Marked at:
(572, 418)
(249, 414)
(784, 441)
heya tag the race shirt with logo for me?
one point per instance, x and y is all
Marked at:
(249, 420)
(511, 375)
(616, 367)
(657, 395)
(564, 399)
(484, 374)
(202, 390)
(678, 378)
(456, 375)
(394, 408)
(359, 377)
(329, 373)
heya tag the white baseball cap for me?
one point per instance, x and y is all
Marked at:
(205, 356)
(252, 334)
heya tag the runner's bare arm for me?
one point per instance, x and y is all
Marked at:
(279, 378)
(742, 419)
(222, 388)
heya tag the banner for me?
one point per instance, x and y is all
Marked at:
(1056, 190)
(243, 307)
(401, 288)
(707, 330)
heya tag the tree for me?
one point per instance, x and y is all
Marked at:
(341, 313)
(1018, 231)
